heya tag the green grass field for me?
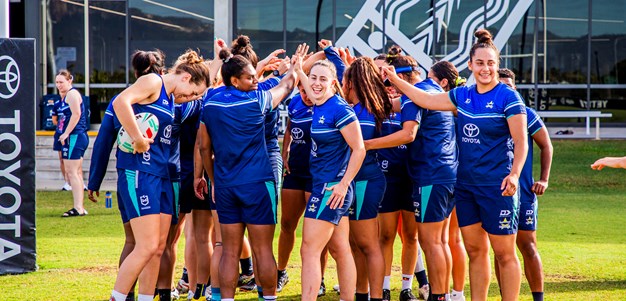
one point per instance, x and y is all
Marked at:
(582, 240)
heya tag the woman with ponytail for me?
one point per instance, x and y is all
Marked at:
(492, 152)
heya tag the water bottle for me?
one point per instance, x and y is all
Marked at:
(108, 199)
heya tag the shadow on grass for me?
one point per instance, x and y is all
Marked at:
(566, 286)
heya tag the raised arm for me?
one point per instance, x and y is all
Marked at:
(437, 102)
(613, 162)
(288, 83)
(542, 138)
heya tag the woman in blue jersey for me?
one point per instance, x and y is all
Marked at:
(243, 181)
(74, 139)
(445, 74)
(58, 119)
(432, 168)
(335, 131)
(143, 183)
(492, 151)
(364, 89)
(143, 62)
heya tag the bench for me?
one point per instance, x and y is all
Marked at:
(578, 114)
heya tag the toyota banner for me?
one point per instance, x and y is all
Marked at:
(17, 156)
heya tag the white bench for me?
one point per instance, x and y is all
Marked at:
(578, 114)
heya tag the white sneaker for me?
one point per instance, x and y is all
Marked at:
(424, 291)
(175, 295)
(458, 297)
(85, 187)
(66, 187)
(336, 288)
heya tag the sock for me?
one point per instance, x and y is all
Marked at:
(164, 294)
(185, 276)
(269, 298)
(448, 297)
(407, 280)
(421, 278)
(229, 299)
(437, 297)
(246, 266)
(117, 296)
(537, 296)
(281, 273)
(216, 295)
(259, 291)
(141, 297)
(419, 266)
(387, 283)
(199, 292)
(456, 295)
(361, 297)
(131, 296)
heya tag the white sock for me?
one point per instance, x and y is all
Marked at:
(141, 297)
(118, 296)
(269, 298)
(420, 263)
(406, 281)
(456, 295)
(447, 297)
(228, 299)
(387, 283)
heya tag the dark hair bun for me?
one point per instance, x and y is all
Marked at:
(225, 54)
(242, 41)
(395, 50)
(483, 36)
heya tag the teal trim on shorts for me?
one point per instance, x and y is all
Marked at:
(425, 193)
(131, 180)
(516, 201)
(359, 192)
(327, 194)
(72, 144)
(176, 188)
(271, 189)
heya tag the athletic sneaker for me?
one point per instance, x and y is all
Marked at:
(182, 286)
(175, 295)
(407, 295)
(66, 187)
(386, 295)
(246, 283)
(322, 291)
(283, 279)
(424, 291)
(202, 298)
(85, 187)
(457, 298)
(336, 288)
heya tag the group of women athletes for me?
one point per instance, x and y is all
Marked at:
(369, 143)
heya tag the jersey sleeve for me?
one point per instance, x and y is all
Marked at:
(513, 104)
(457, 94)
(264, 98)
(410, 111)
(269, 83)
(344, 115)
(333, 57)
(101, 152)
(534, 121)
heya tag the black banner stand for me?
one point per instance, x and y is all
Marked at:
(17, 156)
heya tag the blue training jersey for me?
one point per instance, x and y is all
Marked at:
(300, 116)
(432, 155)
(271, 118)
(154, 161)
(330, 153)
(82, 125)
(235, 121)
(393, 160)
(485, 143)
(188, 134)
(107, 135)
(526, 180)
(367, 121)
(181, 113)
(56, 111)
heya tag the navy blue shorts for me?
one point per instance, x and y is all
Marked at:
(398, 195)
(188, 200)
(291, 181)
(528, 215)
(485, 204)
(56, 145)
(433, 203)
(142, 194)
(276, 160)
(253, 203)
(368, 196)
(75, 146)
(316, 207)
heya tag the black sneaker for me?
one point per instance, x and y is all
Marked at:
(322, 291)
(283, 279)
(386, 295)
(246, 283)
(407, 295)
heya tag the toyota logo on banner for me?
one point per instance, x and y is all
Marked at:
(471, 130)
(9, 77)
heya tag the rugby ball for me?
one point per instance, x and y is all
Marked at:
(148, 125)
